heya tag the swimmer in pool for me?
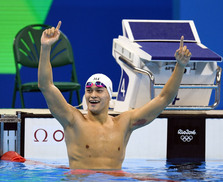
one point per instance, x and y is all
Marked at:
(97, 140)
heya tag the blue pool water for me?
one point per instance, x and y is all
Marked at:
(157, 170)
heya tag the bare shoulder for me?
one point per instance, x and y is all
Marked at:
(132, 119)
(71, 116)
(124, 118)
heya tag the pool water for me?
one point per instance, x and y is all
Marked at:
(139, 170)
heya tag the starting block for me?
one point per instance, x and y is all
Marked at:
(10, 133)
(145, 53)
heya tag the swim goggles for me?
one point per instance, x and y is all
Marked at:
(97, 84)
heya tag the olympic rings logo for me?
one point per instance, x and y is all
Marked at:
(186, 138)
(186, 135)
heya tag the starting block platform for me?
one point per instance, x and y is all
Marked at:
(145, 53)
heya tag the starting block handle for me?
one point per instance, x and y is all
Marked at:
(142, 71)
(215, 86)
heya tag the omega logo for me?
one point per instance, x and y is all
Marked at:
(45, 134)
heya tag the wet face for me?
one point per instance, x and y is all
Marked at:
(97, 99)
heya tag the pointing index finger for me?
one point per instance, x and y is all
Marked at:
(58, 25)
(182, 41)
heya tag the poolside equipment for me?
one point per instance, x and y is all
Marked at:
(145, 53)
(12, 156)
(26, 50)
(10, 133)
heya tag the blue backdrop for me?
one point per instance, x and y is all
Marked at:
(92, 25)
(207, 17)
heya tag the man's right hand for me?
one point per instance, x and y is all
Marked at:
(51, 35)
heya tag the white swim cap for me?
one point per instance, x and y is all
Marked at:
(103, 79)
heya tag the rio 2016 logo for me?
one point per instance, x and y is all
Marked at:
(186, 135)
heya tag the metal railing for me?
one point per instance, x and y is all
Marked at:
(153, 86)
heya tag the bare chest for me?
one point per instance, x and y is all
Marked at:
(102, 136)
(99, 140)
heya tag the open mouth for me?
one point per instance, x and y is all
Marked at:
(94, 101)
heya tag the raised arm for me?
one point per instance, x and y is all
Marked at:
(144, 115)
(58, 106)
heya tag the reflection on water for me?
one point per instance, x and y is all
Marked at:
(195, 170)
(135, 170)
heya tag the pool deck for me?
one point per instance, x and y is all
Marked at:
(209, 113)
